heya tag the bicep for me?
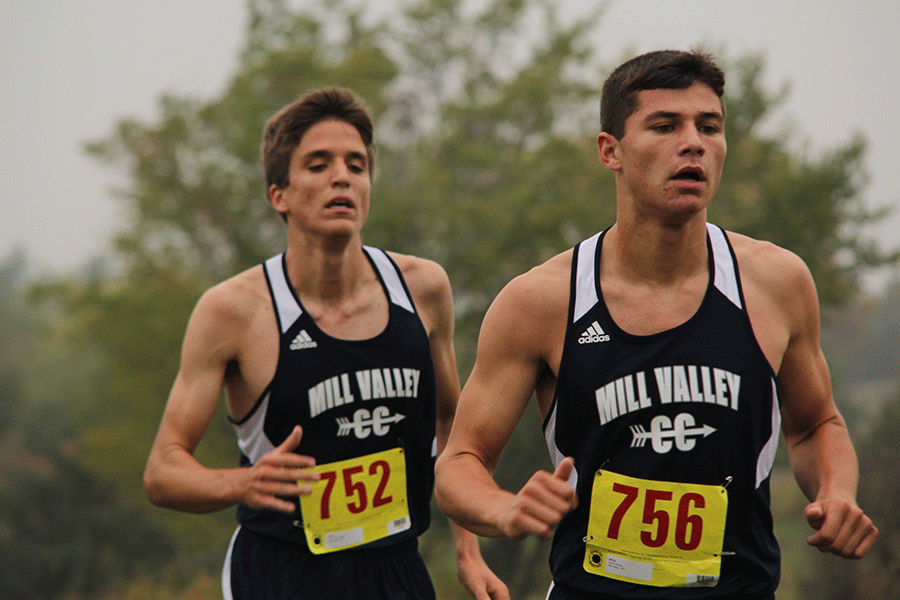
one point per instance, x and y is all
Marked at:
(430, 288)
(505, 374)
(443, 353)
(804, 381)
(197, 388)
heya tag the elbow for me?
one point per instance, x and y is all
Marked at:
(442, 486)
(153, 487)
(450, 486)
(439, 472)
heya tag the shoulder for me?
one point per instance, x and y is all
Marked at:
(427, 281)
(233, 303)
(777, 280)
(429, 287)
(530, 313)
(237, 295)
(223, 318)
(774, 267)
(540, 291)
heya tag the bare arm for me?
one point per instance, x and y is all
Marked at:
(431, 289)
(822, 455)
(512, 357)
(173, 477)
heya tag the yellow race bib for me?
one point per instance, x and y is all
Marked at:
(655, 532)
(356, 501)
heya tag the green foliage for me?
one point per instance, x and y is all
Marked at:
(486, 126)
(878, 574)
(810, 205)
(64, 530)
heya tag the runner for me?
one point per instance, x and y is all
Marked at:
(339, 373)
(666, 355)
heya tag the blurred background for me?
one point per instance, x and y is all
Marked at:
(130, 183)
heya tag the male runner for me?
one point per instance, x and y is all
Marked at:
(339, 372)
(665, 354)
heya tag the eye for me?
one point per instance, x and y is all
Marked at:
(664, 128)
(317, 167)
(356, 169)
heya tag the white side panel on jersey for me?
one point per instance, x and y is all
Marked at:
(725, 274)
(252, 438)
(767, 454)
(226, 569)
(391, 278)
(285, 303)
(555, 455)
(586, 277)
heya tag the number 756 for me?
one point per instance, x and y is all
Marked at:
(658, 507)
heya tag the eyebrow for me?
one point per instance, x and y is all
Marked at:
(665, 114)
(326, 154)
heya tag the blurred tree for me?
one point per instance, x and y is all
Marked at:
(486, 123)
(64, 531)
(878, 574)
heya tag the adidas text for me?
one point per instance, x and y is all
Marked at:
(303, 341)
(593, 334)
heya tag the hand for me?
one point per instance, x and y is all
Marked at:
(541, 504)
(277, 474)
(841, 526)
(478, 578)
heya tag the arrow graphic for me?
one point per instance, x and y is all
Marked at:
(640, 435)
(363, 425)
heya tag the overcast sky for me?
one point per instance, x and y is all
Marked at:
(70, 69)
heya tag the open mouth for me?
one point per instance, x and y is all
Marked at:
(690, 174)
(340, 203)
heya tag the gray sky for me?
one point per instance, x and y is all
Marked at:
(71, 69)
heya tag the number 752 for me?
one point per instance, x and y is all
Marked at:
(355, 490)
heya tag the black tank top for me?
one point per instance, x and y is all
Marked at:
(696, 404)
(352, 398)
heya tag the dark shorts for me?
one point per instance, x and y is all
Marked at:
(263, 568)
(560, 592)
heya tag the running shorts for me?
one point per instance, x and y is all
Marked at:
(259, 567)
(561, 592)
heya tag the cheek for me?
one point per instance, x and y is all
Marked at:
(644, 166)
(719, 153)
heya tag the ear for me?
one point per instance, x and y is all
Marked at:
(608, 149)
(276, 199)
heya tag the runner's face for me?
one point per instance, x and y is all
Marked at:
(329, 186)
(671, 154)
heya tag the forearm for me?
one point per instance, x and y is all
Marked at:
(465, 541)
(825, 463)
(467, 493)
(176, 480)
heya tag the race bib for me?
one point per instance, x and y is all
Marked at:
(655, 532)
(356, 501)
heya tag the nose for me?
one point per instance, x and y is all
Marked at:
(340, 176)
(691, 141)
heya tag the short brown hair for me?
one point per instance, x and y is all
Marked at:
(283, 132)
(661, 69)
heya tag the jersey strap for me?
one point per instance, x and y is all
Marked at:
(286, 306)
(726, 277)
(391, 277)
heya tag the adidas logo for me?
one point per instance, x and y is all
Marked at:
(303, 341)
(593, 334)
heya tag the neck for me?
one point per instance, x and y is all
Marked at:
(657, 254)
(326, 270)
